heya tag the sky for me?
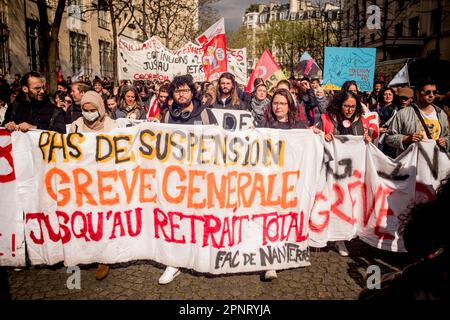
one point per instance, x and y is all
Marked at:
(233, 11)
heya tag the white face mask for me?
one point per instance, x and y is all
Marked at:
(90, 116)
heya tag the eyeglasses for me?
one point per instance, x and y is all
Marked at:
(404, 98)
(279, 103)
(428, 92)
(184, 91)
(349, 107)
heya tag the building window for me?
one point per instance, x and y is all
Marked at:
(363, 40)
(436, 20)
(80, 53)
(399, 29)
(414, 27)
(32, 43)
(103, 21)
(354, 43)
(106, 58)
(75, 9)
(292, 15)
(262, 18)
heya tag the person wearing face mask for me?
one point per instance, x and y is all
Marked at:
(94, 118)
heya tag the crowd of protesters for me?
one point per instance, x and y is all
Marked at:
(406, 115)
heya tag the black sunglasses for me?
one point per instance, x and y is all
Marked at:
(403, 98)
(428, 92)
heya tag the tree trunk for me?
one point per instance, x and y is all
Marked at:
(48, 41)
(44, 39)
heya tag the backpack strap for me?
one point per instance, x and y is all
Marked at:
(422, 121)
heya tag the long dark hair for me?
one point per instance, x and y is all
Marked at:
(234, 94)
(270, 117)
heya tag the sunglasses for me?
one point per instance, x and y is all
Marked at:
(404, 98)
(428, 92)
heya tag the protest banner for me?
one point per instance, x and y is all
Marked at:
(267, 69)
(233, 119)
(343, 64)
(227, 119)
(237, 64)
(208, 199)
(153, 61)
(12, 242)
(149, 60)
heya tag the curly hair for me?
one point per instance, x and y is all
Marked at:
(270, 117)
(179, 81)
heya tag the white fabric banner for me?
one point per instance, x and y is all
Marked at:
(12, 243)
(204, 198)
(228, 119)
(152, 60)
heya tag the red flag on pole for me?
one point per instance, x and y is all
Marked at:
(268, 70)
(214, 47)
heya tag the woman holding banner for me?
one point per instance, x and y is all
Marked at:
(281, 114)
(344, 117)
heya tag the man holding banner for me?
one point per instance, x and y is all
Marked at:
(422, 121)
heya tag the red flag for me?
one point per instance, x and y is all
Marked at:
(214, 47)
(59, 77)
(268, 70)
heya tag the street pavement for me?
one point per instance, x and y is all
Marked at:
(330, 277)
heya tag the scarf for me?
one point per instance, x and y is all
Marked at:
(258, 107)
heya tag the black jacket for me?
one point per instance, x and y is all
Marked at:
(42, 114)
(220, 105)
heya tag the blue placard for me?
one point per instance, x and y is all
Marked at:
(342, 64)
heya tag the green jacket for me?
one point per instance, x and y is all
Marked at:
(406, 122)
